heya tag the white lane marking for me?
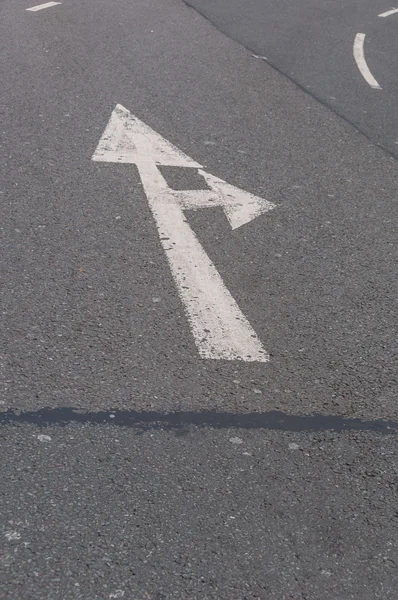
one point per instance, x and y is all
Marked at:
(359, 56)
(41, 6)
(389, 12)
(219, 328)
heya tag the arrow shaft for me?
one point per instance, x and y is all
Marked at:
(219, 328)
(151, 178)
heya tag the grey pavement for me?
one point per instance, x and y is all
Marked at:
(97, 511)
(167, 475)
(311, 42)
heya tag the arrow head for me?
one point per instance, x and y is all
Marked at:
(239, 206)
(126, 139)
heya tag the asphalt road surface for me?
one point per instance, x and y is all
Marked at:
(198, 382)
(312, 43)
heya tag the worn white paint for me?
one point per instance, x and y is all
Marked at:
(389, 12)
(219, 328)
(236, 440)
(42, 6)
(359, 55)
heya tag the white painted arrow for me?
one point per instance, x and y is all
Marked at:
(219, 328)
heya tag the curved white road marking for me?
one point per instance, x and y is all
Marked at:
(389, 12)
(41, 6)
(359, 56)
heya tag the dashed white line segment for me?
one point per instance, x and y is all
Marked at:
(42, 6)
(359, 55)
(389, 12)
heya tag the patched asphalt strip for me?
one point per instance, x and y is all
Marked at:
(271, 420)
